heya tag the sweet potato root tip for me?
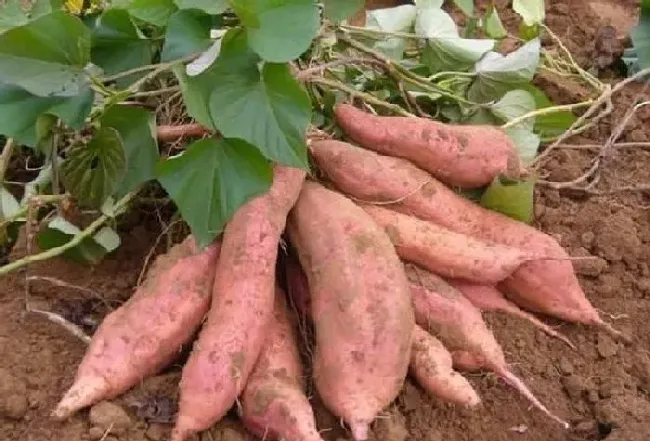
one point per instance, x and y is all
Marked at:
(359, 430)
(464, 156)
(489, 298)
(85, 392)
(519, 385)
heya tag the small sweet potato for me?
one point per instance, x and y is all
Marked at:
(274, 405)
(360, 305)
(546, 286)
(445, 252)
(432, 367)
(443, 311)
(489, 298)
(144, 335)
(242, 305)
(468, 156)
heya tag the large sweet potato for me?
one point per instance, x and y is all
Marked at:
(360, 305)
(274, 405)
(242, 305)
(144, 335)
(546, 286)
(468, 156)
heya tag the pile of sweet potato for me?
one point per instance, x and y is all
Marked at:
(389, 266)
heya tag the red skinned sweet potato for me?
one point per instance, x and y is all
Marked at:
(546, 286)
(242, 305)
(432, 367)
(489, 298)
(144, 335)
(443, 311)
(468, 156)
(360, 305)
(274, 405)
(446, 252)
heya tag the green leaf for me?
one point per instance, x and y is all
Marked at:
(640, 36)
(44, 7)
(467, 6)
(513, 200)
(196, 95)
(279, 30)
(91, 172)
(46, 56)
(12, 15)
(513, 105)
(212, 7)
(266, 107)
(9, 206)
(552, 124)
(445, 49)
(492, 24)
(188, 32)
(137, 128)
(155, 12)
(532, 11)
(397, 19)
(91, 250)
(496, 74)
(339, 10)
(20, 111)
(211, 180)
(526, 141)
(118, 45)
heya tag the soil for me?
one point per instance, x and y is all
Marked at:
(603, 388)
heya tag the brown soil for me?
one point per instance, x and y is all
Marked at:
(603, 389)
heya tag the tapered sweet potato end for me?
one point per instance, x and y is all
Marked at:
(84, 392)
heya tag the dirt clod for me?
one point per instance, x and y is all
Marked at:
(95, 433)
(107, 415)
(156, 432)
(13, 399)
(565, 366)
(606, 346)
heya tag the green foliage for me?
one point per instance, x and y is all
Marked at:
(264, 106)
(514, 200)
(93, 86)
(137, 130)
(92, 172)
(211, 180)
(46, 56)
(640, 35)
(117, 43)
(339, 10)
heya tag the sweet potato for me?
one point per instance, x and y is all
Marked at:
(144, 335)
(546, 286)
(242, 305)
(445, 252)
(489, 298)
(468, 156)
(274, 404)
(431, 365)
(360, 305)
(443, 311)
